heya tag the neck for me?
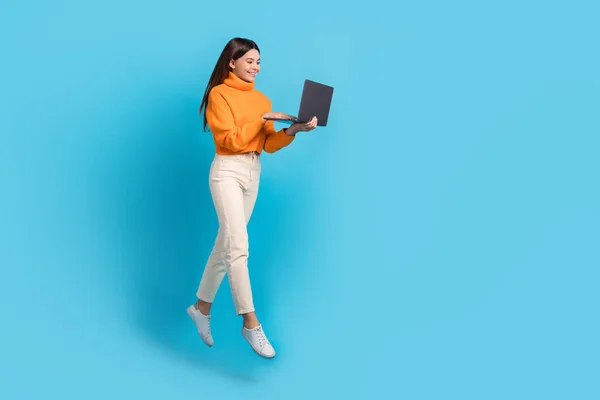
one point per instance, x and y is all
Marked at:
(235, 82)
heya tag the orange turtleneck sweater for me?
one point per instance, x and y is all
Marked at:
(234, 113)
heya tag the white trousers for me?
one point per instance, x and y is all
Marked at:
(234, 181)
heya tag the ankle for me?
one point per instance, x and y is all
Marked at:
(251, 325)
(203, 307)
(250, 321)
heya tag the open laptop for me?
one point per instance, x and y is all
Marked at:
(315, 102)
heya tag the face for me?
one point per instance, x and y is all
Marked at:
(247, 66)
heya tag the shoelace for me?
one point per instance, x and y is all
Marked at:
(208, 332)
(262, 339)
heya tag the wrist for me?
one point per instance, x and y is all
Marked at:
(290, 131)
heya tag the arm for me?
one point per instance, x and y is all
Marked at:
(277, 140)
(221, 122)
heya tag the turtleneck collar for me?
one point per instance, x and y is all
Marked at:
(233, 81)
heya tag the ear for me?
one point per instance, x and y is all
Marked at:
(231, 64)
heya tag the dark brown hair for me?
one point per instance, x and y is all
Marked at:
(233, 50)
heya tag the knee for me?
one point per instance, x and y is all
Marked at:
(236, 247)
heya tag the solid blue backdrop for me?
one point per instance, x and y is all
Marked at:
(438, 240)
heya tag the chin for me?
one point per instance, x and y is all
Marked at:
(250, 78)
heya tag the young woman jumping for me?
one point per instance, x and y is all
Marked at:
(237, 115)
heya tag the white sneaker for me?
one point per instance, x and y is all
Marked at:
(258, 341)
(202, 324)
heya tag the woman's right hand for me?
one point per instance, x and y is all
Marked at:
(277, 115)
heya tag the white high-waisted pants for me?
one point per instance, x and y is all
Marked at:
(234, 181)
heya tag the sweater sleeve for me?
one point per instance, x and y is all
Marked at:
(222, 125)
(275, 140)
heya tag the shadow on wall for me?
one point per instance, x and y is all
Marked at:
(166, 224)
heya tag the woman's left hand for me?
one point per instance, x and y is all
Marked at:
(302, 127)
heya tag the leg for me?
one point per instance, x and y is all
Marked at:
(252, 330)
(228, 184)
(215, 268)
(250, 196)
(235, 238)
(228, 199)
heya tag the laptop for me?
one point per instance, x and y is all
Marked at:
(315, 102)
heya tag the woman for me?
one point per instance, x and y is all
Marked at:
(237, 115)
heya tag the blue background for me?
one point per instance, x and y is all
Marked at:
(438, 240)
